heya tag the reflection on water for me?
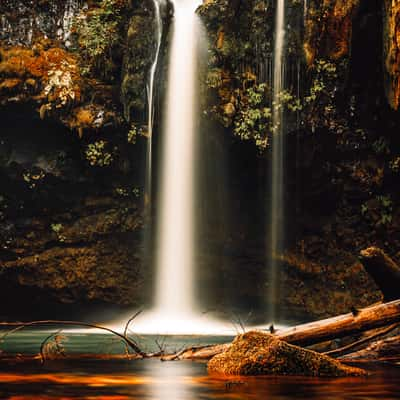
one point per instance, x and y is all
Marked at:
(182, 380)
(123, 379)
(172, 381)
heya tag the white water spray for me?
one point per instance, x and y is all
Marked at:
(277, 176)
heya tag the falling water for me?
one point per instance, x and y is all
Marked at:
(175, 307)
(277, 197)
(175, 236)
(150, 96)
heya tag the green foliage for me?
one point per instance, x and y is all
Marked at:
(395, 165)
(290, 102)
(378, 211)
(325, 73)
(254, 120)
(98, 34)
(57, 229)
(132, 134)
(127, 192)
(97, 154)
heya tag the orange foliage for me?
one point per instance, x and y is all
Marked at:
(10, 84)
(84, 117)
(21, 63)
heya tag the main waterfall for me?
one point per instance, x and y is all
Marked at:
(175, 308)
(175, 232)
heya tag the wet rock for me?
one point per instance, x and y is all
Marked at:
(258, 353)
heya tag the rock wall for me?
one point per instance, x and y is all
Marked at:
(392, 52)
(73, 105)
(71, 229)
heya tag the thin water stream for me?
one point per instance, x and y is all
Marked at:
(277, 166)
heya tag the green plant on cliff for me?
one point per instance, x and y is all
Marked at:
(133, 133)
(254, 121)
(395, 165)
(57, 229)
(98, 155)
(98, 34)
(378, 211)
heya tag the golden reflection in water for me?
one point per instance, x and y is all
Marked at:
(100, 397)
(179, 381)
(87, 380)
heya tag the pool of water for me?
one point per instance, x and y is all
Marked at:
(123, 379)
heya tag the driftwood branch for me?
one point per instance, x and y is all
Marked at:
(382, 350)
(362, 341)
(129, 342)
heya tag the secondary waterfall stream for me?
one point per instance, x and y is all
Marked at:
(150, 108)
(277, 167)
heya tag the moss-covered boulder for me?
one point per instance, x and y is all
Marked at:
(258, 353)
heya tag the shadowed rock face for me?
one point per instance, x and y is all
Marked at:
(392, 51)
(329, 29)
(257, 353)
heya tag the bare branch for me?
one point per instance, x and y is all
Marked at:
(126, 339)
(370, 338)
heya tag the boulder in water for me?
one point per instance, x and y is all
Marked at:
(259, 353)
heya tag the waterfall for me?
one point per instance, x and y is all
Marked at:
(150, 96)
(175, 233)
(175, 308)
(277, 168)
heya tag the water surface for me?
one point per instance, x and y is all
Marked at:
(125, 379)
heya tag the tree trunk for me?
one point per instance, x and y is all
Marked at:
(344, 325)
(383, 270)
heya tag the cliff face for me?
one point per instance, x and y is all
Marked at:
(392, 52)
(341, 139)
(328, 30)
(73, 104)
(71, 175)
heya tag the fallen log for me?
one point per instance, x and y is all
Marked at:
(382, 350)
(372, 317)
(383, 270)
(366, 319)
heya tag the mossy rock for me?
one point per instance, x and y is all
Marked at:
(258, 353)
